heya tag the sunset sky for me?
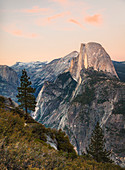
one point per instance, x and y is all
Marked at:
(41, 30)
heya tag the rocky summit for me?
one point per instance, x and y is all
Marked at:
(92, 55)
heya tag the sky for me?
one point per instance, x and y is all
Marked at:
(42, 30)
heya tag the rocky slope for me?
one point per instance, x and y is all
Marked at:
(8, 82)
(98, 98)
(43, 71)
(89, 92)
(51, 97)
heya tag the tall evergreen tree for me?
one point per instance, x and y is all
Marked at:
(26, 93)
(96, 149)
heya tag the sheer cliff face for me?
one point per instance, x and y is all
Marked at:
(53, 99)
(92, 55)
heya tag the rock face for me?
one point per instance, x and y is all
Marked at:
(98, 58)
(97, 98)
(92, 55)
(8, 81)
(88, 92)
(8, 75)
(53, 98)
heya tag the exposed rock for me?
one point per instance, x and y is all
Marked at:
(95, 99)
(8, 82)
(54, 96)
(8, 74)
(52, 142)
(8, 103)
(92, 55)
(95, 102)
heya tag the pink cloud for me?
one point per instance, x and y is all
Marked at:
(94, 19)
(58, 16)
(36, 9)
(48, 20)
(77, 23)
(19, 33)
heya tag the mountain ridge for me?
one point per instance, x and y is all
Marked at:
(76, 91)
(97, 91)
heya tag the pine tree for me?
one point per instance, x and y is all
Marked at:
(96, 149)
(25, 93)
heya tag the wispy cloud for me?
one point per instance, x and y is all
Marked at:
(36, 10)
(19, 33)
(48, 20)
(16, 32)
(58, 15)
(94, 19)
(77, 23)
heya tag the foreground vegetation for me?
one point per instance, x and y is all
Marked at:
(23, 146)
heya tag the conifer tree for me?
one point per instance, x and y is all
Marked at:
(26, 93)
(96, 149)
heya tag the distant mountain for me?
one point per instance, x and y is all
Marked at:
(120, 69)
(43, 71)
(8, 82)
